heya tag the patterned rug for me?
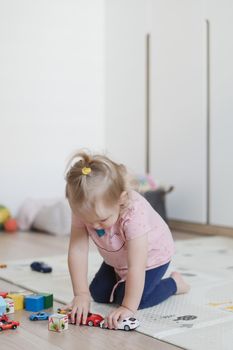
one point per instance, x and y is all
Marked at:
(201, 319)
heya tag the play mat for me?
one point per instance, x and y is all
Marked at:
(201, 319)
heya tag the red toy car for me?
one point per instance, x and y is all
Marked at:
(92, 319)
(4, 318)
(8, 325)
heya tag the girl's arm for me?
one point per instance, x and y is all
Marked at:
(137, 260)
(78, 267)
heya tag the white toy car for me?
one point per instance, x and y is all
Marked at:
(127, 324)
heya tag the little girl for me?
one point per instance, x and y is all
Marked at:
(134, 241)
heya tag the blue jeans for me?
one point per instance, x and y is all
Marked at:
(155, 290)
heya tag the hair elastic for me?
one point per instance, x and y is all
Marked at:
(86, 171)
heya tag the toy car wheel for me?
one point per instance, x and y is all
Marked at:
(90, 323)
(14, 326)
(127, 328)
(0, 329)
(35, 319)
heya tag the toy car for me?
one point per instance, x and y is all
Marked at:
(39, 316)
(127, 324)
(4, 318)
(8, 325)
(64, 311)
(40, 266)
(92, 319)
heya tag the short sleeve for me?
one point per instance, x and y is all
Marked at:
(76, 222)
(137, 222)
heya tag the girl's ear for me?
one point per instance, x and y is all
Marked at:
(123, 197)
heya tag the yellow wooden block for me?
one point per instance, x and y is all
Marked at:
(18, 299)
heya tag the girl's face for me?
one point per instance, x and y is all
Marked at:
(103, 218)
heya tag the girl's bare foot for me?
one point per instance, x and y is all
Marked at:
(182, 286)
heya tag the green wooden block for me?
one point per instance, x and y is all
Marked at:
(48, 300)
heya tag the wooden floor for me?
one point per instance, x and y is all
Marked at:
(35, 335)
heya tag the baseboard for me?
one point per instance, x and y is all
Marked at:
(200, 228)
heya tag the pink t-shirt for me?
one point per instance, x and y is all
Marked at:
(138, 219)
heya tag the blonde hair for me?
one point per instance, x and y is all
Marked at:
(104, 180)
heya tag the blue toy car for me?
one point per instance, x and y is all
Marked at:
(40, 266)
(39, 316)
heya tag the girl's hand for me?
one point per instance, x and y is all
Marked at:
(118, 315)
(80, 305)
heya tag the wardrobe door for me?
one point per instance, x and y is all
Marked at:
(125, 82)
(177, 105)
(220, 17)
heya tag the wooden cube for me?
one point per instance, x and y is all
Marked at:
(34, 302)
(48, 300)
(2, 306)
(10, 306)
(18, 300)
(58, 322)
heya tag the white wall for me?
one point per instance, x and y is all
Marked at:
(125, 82)
(51, 92)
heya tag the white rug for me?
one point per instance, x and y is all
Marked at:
(202, 319)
